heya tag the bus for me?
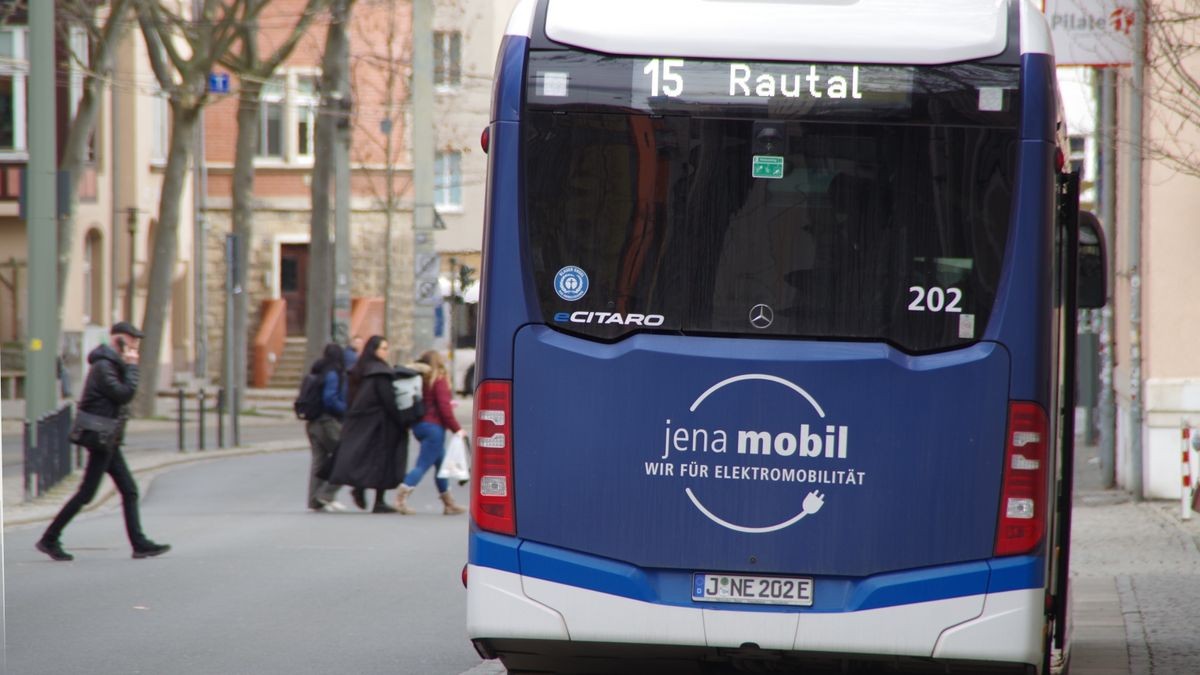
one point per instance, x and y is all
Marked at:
(776, 336)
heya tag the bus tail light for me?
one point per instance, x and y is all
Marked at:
(492, 504)
(1023, 496)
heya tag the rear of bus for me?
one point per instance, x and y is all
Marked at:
(768, 338)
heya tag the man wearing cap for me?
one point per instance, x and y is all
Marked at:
(111, 383)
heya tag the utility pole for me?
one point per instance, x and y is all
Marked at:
(341, 188)
(1108, 210)
(1136, 412)
(425, 284)
(41, 222)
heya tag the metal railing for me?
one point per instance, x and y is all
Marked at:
(48, 453)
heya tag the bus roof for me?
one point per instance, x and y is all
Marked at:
(848, 31)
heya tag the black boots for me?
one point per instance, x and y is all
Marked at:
(360, 497)
(54, 550)
(381, 505)
(150, 549)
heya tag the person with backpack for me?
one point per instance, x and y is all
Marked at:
(374, 449)
(322, 405)
(431, 431)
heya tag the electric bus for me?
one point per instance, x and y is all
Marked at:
(776, 332)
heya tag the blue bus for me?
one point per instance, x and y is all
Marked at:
(776, 334)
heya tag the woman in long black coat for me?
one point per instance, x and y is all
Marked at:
(374, 448)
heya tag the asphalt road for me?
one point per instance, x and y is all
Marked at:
(255, 584)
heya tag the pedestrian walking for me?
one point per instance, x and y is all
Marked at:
(325, 431)
(374, 447)
(111, 384)
(431, 432)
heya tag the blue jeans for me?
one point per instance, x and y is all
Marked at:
(433, 451)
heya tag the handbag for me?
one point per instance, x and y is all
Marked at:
(94, 431)
(456, 465)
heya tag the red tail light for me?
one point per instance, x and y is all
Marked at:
(492, 504)
(1024, 498)
(485, 139)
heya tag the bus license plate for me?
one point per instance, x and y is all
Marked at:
(764, 590)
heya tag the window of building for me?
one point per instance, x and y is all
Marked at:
(447, 180)
(14, 71)
(93, 277)
(447, 59)
(304, 109)
(160, 142)
(270, 120)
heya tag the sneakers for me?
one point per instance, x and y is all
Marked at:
(54, 550)
(333, 506)
(150, 549)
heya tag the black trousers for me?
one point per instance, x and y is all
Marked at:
(102, 461)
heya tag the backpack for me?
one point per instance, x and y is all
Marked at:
(308, 405)
(407, 384)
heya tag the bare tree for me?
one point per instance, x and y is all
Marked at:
(1173, 60)
(395, 60)
(102, 29)
(254, 70)
(183, 75)
(334, 90)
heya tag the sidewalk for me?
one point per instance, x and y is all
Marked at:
(1135, 570)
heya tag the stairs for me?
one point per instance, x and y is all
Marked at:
(291, 366)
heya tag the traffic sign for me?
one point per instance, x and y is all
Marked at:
(218, 83)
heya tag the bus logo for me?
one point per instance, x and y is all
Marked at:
(571, 283)
(705, 456)
(761, 316)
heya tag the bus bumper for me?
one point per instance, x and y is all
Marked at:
(508, 613)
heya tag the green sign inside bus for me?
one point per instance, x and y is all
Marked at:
(767, 166)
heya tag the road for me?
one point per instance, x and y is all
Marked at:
(255, 584)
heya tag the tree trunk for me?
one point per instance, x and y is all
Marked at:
(249, 104)
(75, 149)
(164, 255)
(320, 268)
(73, 161)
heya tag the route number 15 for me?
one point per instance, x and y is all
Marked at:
(661, 77)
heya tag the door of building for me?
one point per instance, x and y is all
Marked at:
(293, 284)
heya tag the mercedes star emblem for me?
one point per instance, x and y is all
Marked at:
(761, 316)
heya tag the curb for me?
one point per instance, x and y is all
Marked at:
(48, 505)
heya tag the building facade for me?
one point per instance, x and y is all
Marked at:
(1167, 275)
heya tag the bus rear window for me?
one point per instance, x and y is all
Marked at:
(751, 226)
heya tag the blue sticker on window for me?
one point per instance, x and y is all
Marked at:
(571, 283)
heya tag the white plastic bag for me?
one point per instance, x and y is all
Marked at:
(456, 465)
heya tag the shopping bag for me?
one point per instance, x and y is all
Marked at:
(456, 465)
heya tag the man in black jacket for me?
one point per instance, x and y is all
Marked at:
(111, 383)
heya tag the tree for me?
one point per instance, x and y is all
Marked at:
(183, 76)
(103, 32)
(254, 71)
(334, 89)
(1173, 62)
